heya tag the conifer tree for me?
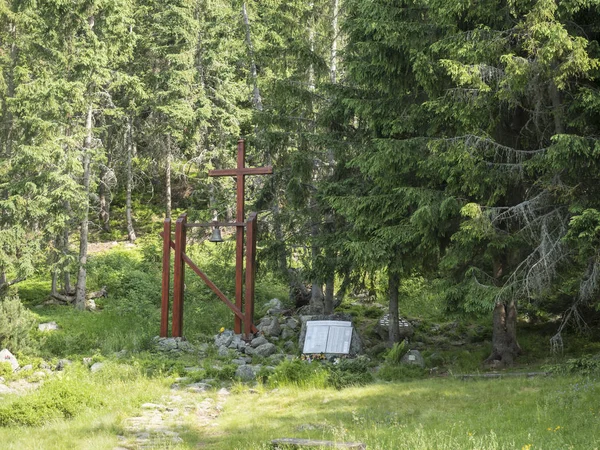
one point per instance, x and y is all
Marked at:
(165, 61)
(463, 106)
(292, 49)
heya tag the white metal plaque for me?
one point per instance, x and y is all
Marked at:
(328, 336)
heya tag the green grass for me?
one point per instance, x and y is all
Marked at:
(546, 413)
(81, 410)
(130, 315)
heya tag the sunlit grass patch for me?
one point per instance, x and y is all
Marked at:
(428, 414)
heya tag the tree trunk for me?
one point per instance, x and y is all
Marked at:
(10, 93)
(256, 98)
(129, 146)
(505, 347)
(281, 251)
(168, 179)
(329, 298)
(335, 30)
(317, 305)
(6, 128)
(103, 194)
(65, 250)
(316, 298)
(83, 235)
(393, 291)
(557, 111)
(54, 286)
(311, 42)
(330, 258)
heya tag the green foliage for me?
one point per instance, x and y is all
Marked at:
(58, 398)
(126, 276)
(157, 365)
(113, 330)
(586, 365)
(350, 372)
(395, 354)
(299, 373)
(400, 372)
(221, 373)
(6, 370)
(16, 324)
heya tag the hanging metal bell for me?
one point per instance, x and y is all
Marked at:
(216, 235)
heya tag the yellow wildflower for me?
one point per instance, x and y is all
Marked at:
(222, 329)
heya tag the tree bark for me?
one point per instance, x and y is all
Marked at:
(393, 293)
(505, 347)
(83, 235)
(557, 111)
(128, 213)
(311, 42)
(10, 93)
(256, 98)
(6, 128)
(335, 30)
(281, 252)
(317, 305)
(103, 194)
(65, 249)
(329, 297)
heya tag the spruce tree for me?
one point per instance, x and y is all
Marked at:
(464, 107)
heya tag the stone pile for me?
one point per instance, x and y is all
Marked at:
(173, 345)
(273, 329)
(383, 326)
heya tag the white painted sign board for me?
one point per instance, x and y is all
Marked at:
(327, 336)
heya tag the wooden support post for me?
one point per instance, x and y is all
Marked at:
(166, 278)
(178, 276)
(250, 274)
(239, 276)
(239, 237)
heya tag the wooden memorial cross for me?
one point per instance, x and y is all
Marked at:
(245, 315)
(240, 173)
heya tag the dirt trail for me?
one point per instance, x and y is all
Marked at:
(159, 424)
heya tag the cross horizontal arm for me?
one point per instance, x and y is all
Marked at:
(243, 171)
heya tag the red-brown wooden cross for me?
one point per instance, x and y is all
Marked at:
(240, 173)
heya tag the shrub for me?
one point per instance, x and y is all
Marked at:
(225, 373)
(6, 370)
(299, 373)
(59, 398)
(394, 356)
(350, 372)
(586, 365)
(16, 324)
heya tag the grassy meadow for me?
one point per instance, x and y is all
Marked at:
(375, 402)
(537, 413)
